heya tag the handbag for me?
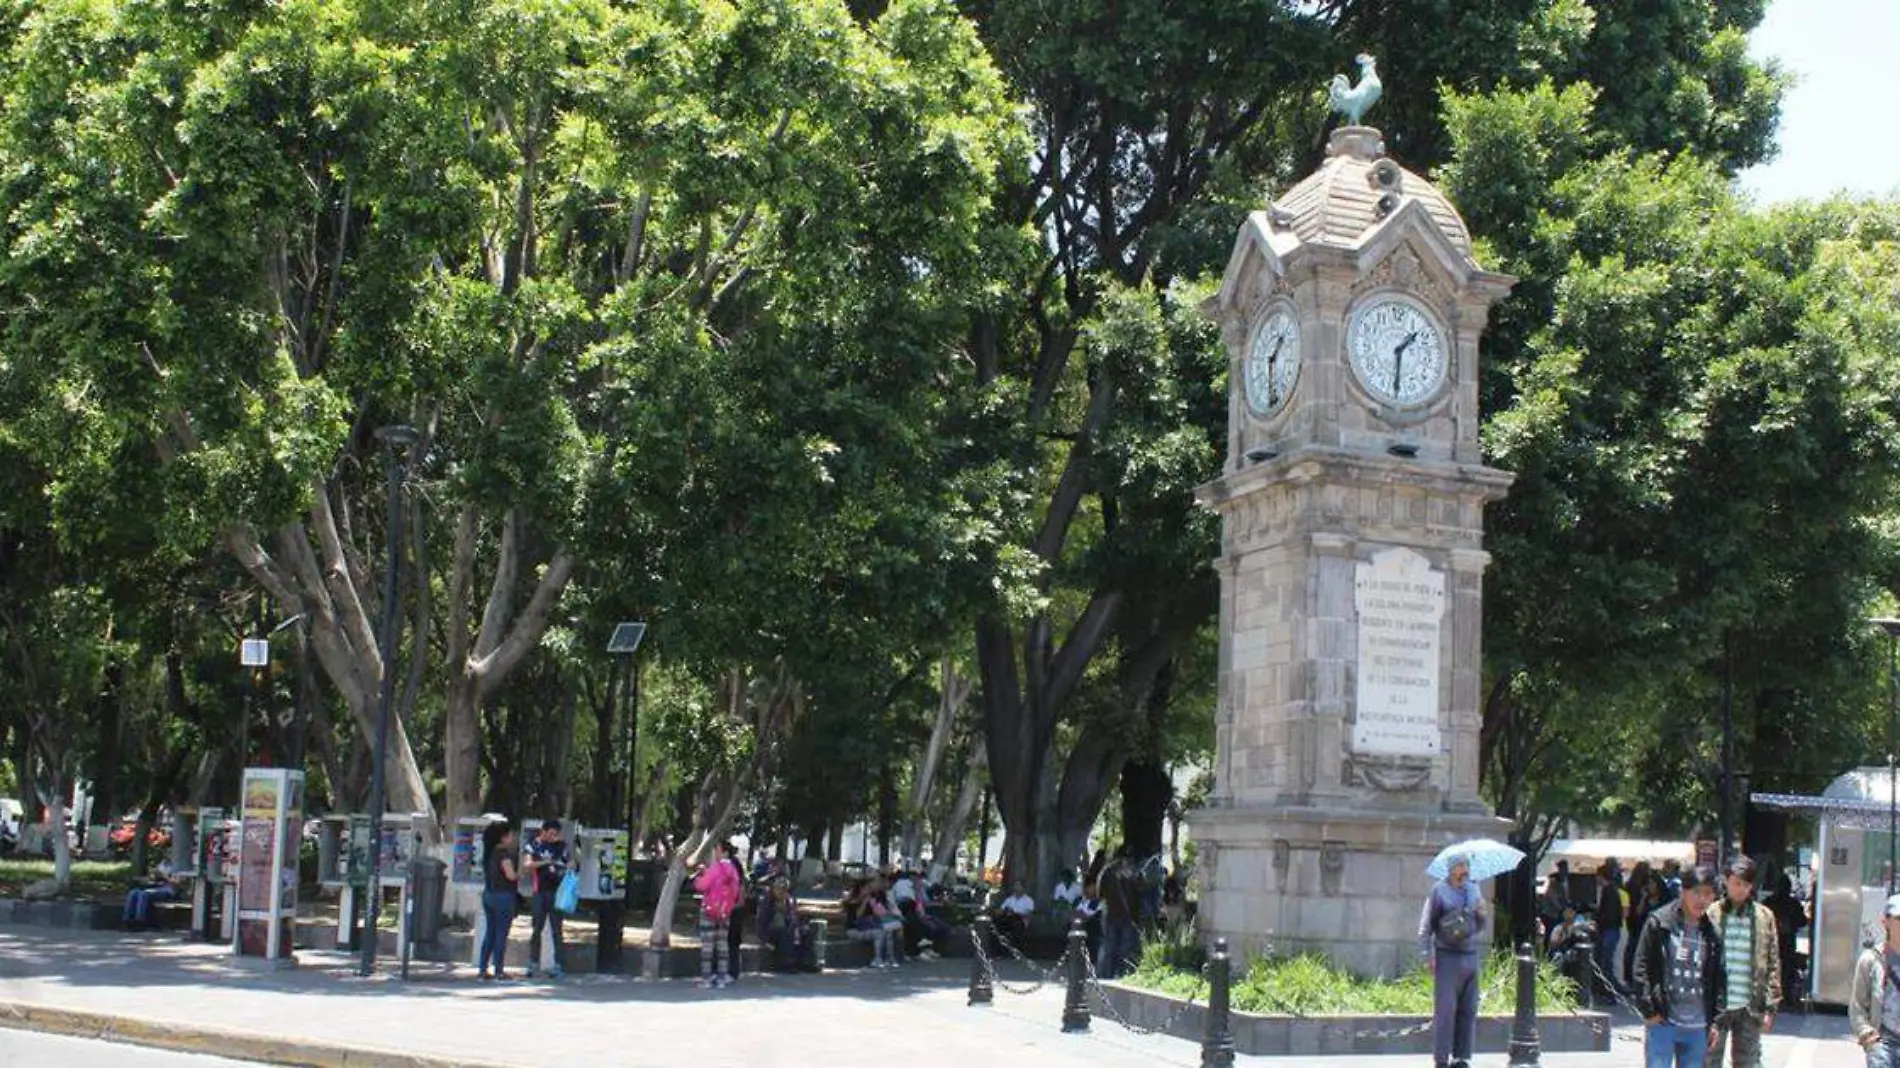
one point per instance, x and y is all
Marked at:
(1454, 926)
(567, 897)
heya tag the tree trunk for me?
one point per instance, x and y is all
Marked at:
(1146, 791)
(55, 800)
(953, 691)
(950, 833)
(105, 781)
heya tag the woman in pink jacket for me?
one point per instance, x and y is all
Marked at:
(719, 890)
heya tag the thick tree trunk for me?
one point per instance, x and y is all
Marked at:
(479, 662)
(1146, 791)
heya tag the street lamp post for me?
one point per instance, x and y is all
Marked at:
(398, 439)
(1892, 628)
(624, 642)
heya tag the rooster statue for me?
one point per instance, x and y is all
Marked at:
(1353, 101)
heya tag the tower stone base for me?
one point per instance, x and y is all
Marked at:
(1346, 884)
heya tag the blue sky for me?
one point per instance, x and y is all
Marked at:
(1838, 122)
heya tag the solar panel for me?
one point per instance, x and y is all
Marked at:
(626, 637)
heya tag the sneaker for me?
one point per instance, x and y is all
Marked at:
(706, 983)
(557, 974)
(722, 982)
(530, 974)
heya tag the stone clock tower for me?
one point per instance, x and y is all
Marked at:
(1352, 514)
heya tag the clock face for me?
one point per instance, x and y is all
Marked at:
(1396, 351)
(1273, 362)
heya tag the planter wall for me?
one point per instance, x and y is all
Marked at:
(1282, 1036)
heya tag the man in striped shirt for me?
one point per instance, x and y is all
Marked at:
(1751, 957)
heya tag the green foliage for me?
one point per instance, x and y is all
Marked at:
(1310, 985)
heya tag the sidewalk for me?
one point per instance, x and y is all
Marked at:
(916, 1017)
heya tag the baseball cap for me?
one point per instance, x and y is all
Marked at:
(1893, 906)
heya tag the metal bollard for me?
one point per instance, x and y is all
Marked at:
(1583, 955)
(1075, 1010)
(818, 931)
(1525, 1045)
(1217, 1046)
(981, 992)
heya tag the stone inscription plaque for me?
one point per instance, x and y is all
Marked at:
(1401, 602)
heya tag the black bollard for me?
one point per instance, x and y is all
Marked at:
(1075, 1010)
(1217, 1046)
(981, 993)
(1583, 955)
(1525, 1045)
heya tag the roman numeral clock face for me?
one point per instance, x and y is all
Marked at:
(1273, 363)
(1396, 351)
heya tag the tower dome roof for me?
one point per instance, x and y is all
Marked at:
(1338, 203)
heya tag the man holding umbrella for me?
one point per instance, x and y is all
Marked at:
(1448, 936)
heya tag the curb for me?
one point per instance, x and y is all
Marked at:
(235, 1045)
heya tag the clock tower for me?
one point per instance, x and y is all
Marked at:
(1352, 507)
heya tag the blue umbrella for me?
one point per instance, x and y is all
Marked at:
(1489, 859)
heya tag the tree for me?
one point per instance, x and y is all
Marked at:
(525, 228)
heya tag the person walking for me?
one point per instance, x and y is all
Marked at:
(1448, 930)
(1121, 904)
(1751, 960)
(1609, 917)
(718, 886)
(1679, 980)
(1873, 1009)
(548, 860)
(500, 874)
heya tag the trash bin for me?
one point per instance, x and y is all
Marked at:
(429, 879)
(644, 886)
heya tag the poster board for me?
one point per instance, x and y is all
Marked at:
(270, 829)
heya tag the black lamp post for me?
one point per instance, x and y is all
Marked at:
(624, 642)
(398, 439)
(1892, 628)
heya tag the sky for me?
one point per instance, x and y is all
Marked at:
(1837, 122)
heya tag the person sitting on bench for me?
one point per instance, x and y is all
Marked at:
(143, 895)
(1013, 915)
(781, 931)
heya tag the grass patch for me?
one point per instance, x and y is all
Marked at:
(97, 880)
(1310, 985)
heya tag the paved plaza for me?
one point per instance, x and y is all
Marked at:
(916, 1017)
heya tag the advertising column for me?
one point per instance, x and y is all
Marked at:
(268, 840)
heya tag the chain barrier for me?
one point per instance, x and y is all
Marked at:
(1617, 995)
(1166, 1026)
(1043, 977)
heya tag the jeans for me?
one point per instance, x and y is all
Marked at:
(545, 915)
(1667, 1045)
(1741, 1030)
(139, 902)
(1454, 1005)
(498, 910)
(880, 940)
(1607, 955)
(1884, 1053)
(1121, 947)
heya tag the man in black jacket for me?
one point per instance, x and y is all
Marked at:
(1609, 917)
(1679, 979)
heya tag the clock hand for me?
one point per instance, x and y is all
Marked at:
(1273, 377)
(1398, 359)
